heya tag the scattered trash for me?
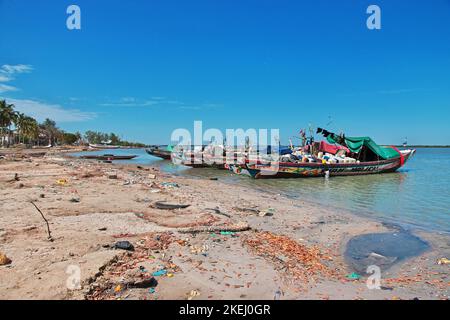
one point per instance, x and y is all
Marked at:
(192, 294)
(170, 185)
(227, 233)
(42, 196)
(170, 275)
(169, 206)
(16, 177)
(353, 276)
(155, 190)
(112, 176)
(124, 245)
(387, 288)
(4, 260)
(277, 295)
(213, 179)
(61, 182)
(268, 213)
(443, 261)
(118, 288)
(75, 200)
(151, 290)
(103, 229)
(159, 273)
(152, 176)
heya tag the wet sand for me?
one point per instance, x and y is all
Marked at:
(293, 250)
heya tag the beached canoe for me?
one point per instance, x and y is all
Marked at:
(103, 146)
(260, 170)
(160, 152)
(108, 157)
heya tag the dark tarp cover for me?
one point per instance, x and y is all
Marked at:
(356, 143)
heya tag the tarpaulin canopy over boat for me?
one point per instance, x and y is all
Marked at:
(355, 144)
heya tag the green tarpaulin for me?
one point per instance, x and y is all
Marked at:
(356, 143)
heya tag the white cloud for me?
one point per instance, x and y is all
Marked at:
(6, 88)
(40, 111)
(18, 68)
(4, 78)
(129, 102)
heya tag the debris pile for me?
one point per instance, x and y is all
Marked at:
(300, 261)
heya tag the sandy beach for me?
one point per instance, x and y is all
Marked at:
(231, 242)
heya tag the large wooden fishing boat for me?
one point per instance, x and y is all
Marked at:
(341, 156)
(261, 170)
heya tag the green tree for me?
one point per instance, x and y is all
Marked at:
(49, 126)
(7, 118)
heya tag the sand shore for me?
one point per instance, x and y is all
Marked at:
(293, 249)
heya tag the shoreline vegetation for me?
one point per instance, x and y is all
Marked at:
(17, 128)
(142, 233)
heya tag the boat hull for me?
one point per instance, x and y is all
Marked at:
(259, 170)
(167, 155)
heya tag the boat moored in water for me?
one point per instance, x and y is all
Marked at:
(108, 157)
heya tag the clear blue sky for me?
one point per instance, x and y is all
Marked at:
(144, 68)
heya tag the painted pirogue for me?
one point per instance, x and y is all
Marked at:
(370, 158)
(259, 170)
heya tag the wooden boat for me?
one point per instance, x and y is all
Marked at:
(259, 170)
(103, 146)
(160, 152)
(108, 157)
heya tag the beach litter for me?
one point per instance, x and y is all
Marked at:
(75, 200)
(124, 245)
(443, 261)
(268, 213)
(61, 182)
(353, 276)
(159, 273)
(170, 185)
(151, 290)
(192, 294)
(4, 260)
(300, 261)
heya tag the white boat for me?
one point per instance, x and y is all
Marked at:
(103, 146)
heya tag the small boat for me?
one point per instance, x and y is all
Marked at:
(108, 157)
(163, 152)
(370, 158)
(103, 146)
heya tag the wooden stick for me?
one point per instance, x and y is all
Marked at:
(42, 215)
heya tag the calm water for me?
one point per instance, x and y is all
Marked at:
(418, 195)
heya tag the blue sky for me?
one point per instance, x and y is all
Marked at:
(145, 68)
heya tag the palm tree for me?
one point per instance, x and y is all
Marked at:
(30, 128)
(7, 117)
(20, 123)
(49, 126)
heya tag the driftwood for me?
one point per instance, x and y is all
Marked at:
(238, 227)
(42, 215)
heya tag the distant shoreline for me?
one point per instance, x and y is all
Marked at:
(423, 146)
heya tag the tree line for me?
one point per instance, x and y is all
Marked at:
(28, 130)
